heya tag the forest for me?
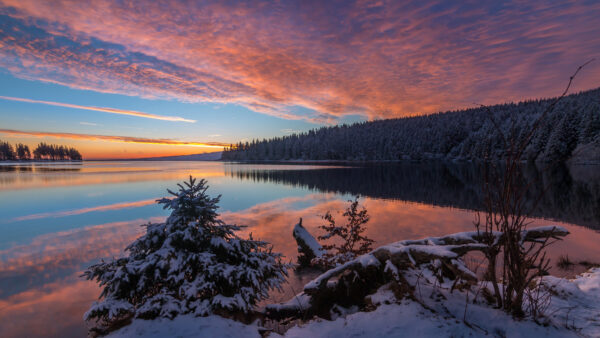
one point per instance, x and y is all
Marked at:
(571, 129)
(44, 151)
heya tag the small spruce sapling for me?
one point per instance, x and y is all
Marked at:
(193, 263)
(350, 239)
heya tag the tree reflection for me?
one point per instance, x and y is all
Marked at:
(573, 194)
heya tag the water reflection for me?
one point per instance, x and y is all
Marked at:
(572, 194)
(390, 221)
(115, 206)
(52, 232)
(15, 168)
(41, 293)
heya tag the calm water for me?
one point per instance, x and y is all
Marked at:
(56, 219)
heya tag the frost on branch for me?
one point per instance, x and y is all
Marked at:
(192, 263)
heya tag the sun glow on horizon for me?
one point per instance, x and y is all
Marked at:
(99, 147)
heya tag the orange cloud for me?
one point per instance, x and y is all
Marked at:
(102, 109)
(126, 139)
(383, 59)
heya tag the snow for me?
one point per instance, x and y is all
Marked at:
(405, 320)
(309, 240)
(555, 228)
(299, 302)
(417, 246)
(589, 282)
(113, 307)
(186, 326)
(435, 312)
(410, 319)
(364, 260)
(577, 302)
(438, 312)
(367, 260)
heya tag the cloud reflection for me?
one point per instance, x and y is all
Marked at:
(69, 249)
(390, 221)
(52, 299)
(103, 173)
(115, 206)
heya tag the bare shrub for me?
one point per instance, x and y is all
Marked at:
(505, 211)
(351, 241)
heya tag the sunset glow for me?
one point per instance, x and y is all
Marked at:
(299, 168)
(246, 70)
(97, 150)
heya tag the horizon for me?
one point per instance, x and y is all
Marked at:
(206, 76)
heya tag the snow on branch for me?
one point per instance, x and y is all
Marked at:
(353, 280)
(308, 247)
(193, 263)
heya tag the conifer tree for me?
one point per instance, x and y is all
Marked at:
(192, 263)
(23, 152)
(6, 151)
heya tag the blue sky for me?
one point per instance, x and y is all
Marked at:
(215, 122)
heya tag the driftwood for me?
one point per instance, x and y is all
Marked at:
(308, 247)
(350, 283)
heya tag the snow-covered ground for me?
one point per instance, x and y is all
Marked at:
(436, 312)
(187, 326)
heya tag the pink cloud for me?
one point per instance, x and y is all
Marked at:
(384, 59)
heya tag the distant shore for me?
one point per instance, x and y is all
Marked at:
(39, 161)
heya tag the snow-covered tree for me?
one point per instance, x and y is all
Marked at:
(192, 263)
(467, 134)
(349, 241)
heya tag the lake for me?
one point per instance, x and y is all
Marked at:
(58, 218)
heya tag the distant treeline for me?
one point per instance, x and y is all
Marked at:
(43, 151)
(573, 127)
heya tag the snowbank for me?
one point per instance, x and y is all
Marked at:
(573, 312)
(186, 326)
(438, 312)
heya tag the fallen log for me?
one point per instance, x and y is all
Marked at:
(308, 247)
(349, 283)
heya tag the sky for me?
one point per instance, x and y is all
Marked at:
(130, 79)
